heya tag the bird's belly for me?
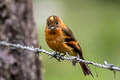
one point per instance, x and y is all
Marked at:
(57, 44)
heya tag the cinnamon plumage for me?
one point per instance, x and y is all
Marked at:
(61, 39)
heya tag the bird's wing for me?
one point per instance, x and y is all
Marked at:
(68, 33)
(71, 41)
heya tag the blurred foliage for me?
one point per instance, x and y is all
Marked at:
(95, 24)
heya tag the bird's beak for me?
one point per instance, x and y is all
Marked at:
(52, 28)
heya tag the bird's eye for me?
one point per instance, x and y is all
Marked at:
(56, 23)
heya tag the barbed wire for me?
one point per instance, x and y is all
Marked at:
(58, 56)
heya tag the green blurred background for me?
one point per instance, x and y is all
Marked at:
(95, 24)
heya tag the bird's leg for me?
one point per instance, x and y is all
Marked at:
(58, 56)
(61, 56)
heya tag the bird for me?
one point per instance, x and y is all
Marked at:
(61, 39)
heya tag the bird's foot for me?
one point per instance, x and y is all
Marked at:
(58, 56)
(61, 57)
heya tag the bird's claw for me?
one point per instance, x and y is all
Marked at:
(57, 56)
(62, 57)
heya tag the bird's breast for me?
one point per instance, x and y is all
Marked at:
(56, 41)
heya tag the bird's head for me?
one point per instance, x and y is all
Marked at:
(53, 22)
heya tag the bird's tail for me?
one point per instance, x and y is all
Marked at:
(85, 69)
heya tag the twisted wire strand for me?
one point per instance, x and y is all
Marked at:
(68, 58)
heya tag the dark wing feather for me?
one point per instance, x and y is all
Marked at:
(67, 32)
(71, 41)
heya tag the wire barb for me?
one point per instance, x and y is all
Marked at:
(68, 58)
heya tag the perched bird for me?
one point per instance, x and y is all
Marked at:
(61, 39)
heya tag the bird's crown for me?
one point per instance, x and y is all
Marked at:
(51, 18)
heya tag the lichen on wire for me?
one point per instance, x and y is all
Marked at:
(68, 58)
